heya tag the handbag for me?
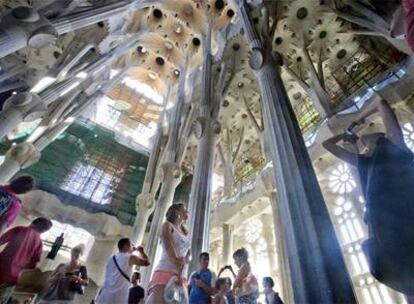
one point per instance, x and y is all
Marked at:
(174, 292)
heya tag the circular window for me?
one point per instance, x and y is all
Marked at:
(244, 116)
(226, 103)
(299, 59)
(341, 54)
(230, 13)
(159, 61)
(323, 34)
(196, 41)
(219, 4)
(297, 96)
(279, 40)
(236, 46)
(141, 49)
(302, 13)
(240, 84)
(157, 13)
(338, 211)
(347, 206)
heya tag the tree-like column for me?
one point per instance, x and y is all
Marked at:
(317, 269)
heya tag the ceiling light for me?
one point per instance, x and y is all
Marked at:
(168, 45)
(152, 75)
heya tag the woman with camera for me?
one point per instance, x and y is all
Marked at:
(245, 285)
(67, 280)
(385, 169)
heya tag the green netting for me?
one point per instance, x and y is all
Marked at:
(88, 168)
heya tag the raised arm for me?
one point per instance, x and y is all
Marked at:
(332, 146)
(392, 127)
(141, 260)
(241, 275)
(409, 21)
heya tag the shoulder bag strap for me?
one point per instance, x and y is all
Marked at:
(119, 269)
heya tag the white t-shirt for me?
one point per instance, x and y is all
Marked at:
(116, 286)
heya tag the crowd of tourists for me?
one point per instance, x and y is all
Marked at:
(385, 168)
(169, 284)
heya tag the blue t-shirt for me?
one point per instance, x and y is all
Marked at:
(197, 294)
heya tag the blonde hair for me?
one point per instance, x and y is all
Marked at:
(173, 213)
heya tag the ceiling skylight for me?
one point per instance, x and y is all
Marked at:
(143, 89)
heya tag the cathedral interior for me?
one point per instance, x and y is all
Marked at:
(119, 109)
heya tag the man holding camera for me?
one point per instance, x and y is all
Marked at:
(118, 273)
(202, 282)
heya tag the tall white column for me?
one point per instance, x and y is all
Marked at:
(102, 250)
(206, 130)
(282, 254)
(317, 269)
(145, 201)
(227, 243)
(171, 172)
(269, 238)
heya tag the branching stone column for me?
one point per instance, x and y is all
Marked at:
(171, 177)
(25, 26)
(227, 243)
(317, 269)
(18, 157)
(145, 201)
(206, 129)
(228, 157)
(27, 153)
(28, 106)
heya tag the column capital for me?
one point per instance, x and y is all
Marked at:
(171, 169)
(28, 104)
(201, 125)
(38, 30)
(26, 154)
(144, 202)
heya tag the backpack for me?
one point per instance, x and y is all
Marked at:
(6, 200)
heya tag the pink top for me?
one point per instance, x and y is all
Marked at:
(23, 250)
(10, 216)
(409, 21)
